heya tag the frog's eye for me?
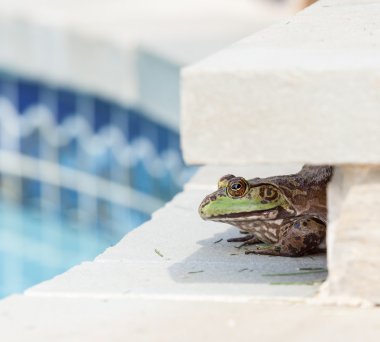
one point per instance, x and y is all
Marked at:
(237, 187)
(223, 181)
(268, 193)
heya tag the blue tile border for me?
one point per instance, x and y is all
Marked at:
(90, 171)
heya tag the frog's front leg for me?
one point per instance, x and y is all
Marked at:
(300, 237)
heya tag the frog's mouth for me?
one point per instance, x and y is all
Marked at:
(255, 215)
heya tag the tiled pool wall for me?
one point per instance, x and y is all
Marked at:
(77, 172)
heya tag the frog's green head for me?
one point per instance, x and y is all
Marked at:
(237, 199)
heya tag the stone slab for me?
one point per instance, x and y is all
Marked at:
(88, 319)
(207, 176)
(132, 293)
(353, 235)
(202, 280)
(303, 90)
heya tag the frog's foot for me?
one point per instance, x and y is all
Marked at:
(249, 239)
(303, 237)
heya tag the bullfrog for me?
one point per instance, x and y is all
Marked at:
(279, 215)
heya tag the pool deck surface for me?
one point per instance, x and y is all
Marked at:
(176, 278)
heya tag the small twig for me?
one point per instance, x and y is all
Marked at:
(158, 253)
(218, 241)
(243, 269)
(313, 269)
(192, 272)
(293, 273)
(298, 283)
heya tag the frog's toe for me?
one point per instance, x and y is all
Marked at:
(247, 240)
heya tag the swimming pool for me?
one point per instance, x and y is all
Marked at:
(77, 172)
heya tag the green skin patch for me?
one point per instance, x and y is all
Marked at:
(251, 202)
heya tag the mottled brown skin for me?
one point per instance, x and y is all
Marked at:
(294, 229)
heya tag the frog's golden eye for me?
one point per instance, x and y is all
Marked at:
(237, 187)
(223, 181)
(268, 193)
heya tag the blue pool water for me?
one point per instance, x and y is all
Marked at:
(77, 172)
(35, 248)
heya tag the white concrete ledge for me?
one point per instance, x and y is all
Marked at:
(171, 280)
(175, 262)
(88, 319)
(304, 90)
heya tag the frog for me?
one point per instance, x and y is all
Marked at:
(279, 215)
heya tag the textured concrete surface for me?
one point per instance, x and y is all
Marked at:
(174, 279)
(185, 321)
(89, 319)
(353, 240)
(303, 90)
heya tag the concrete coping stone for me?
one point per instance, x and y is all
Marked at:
(174, 274)
(303, 90)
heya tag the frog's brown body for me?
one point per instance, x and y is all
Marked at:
(289, 212)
